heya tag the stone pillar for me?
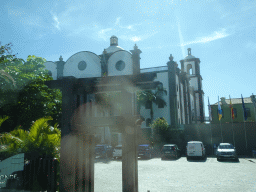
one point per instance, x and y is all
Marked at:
(129, 146)
(84, 166)
(136, 60)
(68, 107)
(180, 97)
(200, 91)
(172, 91)
(60, 67)
(185, 100)
(104, 66)
(77, 146)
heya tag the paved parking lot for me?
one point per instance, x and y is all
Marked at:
(180, 175)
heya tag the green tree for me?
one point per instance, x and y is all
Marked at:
(6, 57)
(36, 100)
(160, 131)
(30, 99)
(7, 77)
(148, 97)
(22, 73)
(164, 133)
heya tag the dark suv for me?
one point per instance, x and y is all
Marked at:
(145, 151)
(170, 150)
(103, 151)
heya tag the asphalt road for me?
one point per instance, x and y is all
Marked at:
(180, 175)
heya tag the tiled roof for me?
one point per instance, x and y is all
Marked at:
(236, 101)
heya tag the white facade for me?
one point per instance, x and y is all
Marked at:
(188, 104)
(116, 61)
(83, 64)
(162, 76)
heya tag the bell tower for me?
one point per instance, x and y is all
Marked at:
(191, 66)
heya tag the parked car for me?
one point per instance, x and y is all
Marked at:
(103, 151)
(170, 150)
(195, 149)
(254, 152)
(145, 151)
(117, 152)
(226, 151)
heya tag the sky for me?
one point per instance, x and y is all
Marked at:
(220, 33)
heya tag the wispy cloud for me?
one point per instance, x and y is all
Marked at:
(160, 47)
(214, 36)
(102, 34)
(244, 10)
(136, 38)
(56, 22)
(181, 37)
(130, 27)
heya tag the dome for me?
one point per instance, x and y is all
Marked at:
(113, 45)
(112, 49)
(113, 36)
(189, 56)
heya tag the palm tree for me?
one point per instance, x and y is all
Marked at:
(2, 119)
(41, 138)
(148, 97)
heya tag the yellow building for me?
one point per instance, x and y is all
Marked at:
(238, 110)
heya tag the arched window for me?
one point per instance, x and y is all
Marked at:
(189, 69)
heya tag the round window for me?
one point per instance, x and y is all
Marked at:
(120, 65)
(82, 65)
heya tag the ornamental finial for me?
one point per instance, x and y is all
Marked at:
(135, 47)
(171, 57)
(61, 59)
(189, 51)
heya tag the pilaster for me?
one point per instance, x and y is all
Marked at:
(136, 59)
(60, 67)
(172, 66)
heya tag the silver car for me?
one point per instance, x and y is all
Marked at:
(226, 151)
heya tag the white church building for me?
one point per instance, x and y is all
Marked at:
(185, 96)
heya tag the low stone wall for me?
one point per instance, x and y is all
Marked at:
(243, 132)
(210, 134)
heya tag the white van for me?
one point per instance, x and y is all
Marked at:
(195, 149)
